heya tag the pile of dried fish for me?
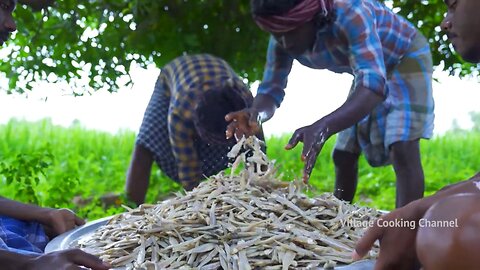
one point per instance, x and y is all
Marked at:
(245, 221)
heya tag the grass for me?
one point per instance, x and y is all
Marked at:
(51, 165)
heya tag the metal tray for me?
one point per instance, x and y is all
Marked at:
(69, 239)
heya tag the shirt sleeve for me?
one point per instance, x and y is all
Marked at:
(357, 25)
(181, 135)
(277, 69)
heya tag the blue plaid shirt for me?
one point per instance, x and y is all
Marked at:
(22, 237)
(366, 40)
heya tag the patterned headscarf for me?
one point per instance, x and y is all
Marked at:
(300, 14)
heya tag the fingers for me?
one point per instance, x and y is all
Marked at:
(294, 140)
(233, 115)
(231, 130)
(365, 243)
(64, 220)
(79, 221)
(311, 150)
(235, 118)
(239, 133)
(241, 125)
(88, 260)
(307, 170)
(254, 119)
(235, 129)
(310, 160)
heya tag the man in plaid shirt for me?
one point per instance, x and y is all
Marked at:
(390, 106)
(183, 129)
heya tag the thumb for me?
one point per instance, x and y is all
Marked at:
(296, 137)
(231, 116)
(79, 221)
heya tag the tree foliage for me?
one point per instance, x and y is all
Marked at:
(92, 43)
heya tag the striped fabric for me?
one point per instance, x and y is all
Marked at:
(300, 14)
(168, 130)
(366, 40)
(405, 115)
(22, 237)
(386, 55)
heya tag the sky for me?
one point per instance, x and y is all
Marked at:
(310, 95)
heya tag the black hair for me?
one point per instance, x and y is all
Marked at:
(212, 106)
(280, 7)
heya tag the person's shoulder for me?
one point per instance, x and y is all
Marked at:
(344, 10)
(341, 5)
(347, 10)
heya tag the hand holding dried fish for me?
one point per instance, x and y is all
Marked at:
(245, 221)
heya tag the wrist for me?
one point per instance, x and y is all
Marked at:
(11, 260)
(43, 215)
(327, 125)
(265, 105)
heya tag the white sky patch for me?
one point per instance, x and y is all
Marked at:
(310, 95)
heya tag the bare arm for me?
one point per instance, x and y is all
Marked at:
(138, 174)
(67, 259)
(54, 221)
(22, 211)
(12, 261)
(359, 105)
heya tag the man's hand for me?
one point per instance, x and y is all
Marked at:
(313, 138)
(37, 5)
(58, 221)
(243, 123)
(397, 243)
(66, 259)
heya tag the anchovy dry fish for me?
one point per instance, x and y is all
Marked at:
(248, 220)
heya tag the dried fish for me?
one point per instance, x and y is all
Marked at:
(249, 220)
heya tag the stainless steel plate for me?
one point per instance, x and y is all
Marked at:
(69, 239)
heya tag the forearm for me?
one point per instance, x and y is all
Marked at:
(468, 186)
(265, 105)
(360, 104)
(22, 211)
(12, 261)
(138, 174)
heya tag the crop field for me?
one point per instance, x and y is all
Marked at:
(75, 168)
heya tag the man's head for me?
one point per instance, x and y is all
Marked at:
(7, 24)
(462, 25)
(293, 23)
(212, 106)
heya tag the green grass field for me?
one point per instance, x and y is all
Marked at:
(50, 165)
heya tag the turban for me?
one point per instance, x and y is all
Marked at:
(300, 14)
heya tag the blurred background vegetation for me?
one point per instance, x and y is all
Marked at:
(76, 168)
(92, 44)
